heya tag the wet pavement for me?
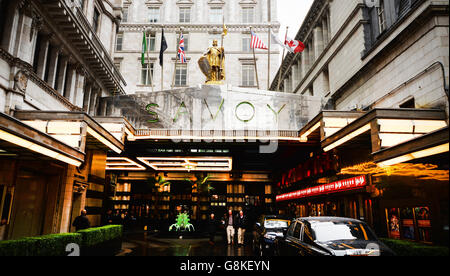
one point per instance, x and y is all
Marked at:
(145, 244)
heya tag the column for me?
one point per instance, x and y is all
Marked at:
(318, 41)
(79, 87)
(42, 58)
(305, 61)
(52, 66)
(325, 31)
(63, 62)
(93, 101)
(87, 96)
(70, 86)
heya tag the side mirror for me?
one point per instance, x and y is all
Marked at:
(258, 224)
(285, 232)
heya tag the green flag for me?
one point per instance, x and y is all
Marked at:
(144, 47)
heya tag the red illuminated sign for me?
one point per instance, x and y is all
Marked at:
(338, 186)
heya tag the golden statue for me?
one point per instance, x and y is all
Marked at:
(212, 64)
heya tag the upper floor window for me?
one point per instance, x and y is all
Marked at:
(96, 20)
(185, 15)
(154, 15)
(381, 16)
(248, 75)
(151, 42)
(181, 75)
(146, 70)
(119, 42)
(248, 15)
(246, 44)
(215, 15)
(186, 41)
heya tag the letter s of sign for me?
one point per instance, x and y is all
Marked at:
(153, 113)
(73, 249)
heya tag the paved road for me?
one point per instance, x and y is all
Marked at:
(143, 244)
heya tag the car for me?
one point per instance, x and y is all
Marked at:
(266, 230)
(330, 236)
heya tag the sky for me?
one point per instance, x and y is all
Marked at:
(292, 13)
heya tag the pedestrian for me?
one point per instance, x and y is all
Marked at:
(109, 218)
(229, 227)
(2, 229)
(212, 228)
(241, 225)
(81, 222)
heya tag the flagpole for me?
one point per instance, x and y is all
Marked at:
(269, 19)
(281, 66)
(176, 59)
(254, 57)
(148, 62)
(162, 64)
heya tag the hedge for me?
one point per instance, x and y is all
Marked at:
(48, 245)
(94, 236)
(409, 248)
(55, 244)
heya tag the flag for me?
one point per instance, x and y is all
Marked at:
(181, 52)
(163, 48)
(256, 43)
(294, 46)
(144, 47)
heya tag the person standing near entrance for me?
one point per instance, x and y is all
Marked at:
(241, 224)
(81, 222)
(229, 227)
(212, 228)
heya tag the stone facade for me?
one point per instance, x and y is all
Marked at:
(361, 64)
(200, 22)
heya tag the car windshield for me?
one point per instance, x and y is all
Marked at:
(340, 230)
(276, 223)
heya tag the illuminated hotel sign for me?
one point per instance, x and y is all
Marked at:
(335, 187)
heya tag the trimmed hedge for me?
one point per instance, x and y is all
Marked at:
(48, 245)
(409, 248)
(55, 244)
(94, 236)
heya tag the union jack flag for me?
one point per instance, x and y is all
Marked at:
(181, 52)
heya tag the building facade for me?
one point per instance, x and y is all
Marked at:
(200, 22)
(381, 69)
(55, 65)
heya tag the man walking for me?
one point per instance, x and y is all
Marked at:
(241, 223)
(81, 222)
(229, 227)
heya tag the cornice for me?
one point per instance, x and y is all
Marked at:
(173, 27)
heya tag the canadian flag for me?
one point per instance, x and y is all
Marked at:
(294, 46)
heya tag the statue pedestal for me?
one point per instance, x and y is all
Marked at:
(214, 83)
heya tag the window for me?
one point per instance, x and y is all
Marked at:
(119, 42)
(154, 15)
(145, 77)
(181, 75)
(117, 64)
(151, 42)
(246, 44)
(248, 75)
(125, 15)
(248, 15)
(297, 231)
(381, 17)
(215, 15)
(185, 15)
(96, 20)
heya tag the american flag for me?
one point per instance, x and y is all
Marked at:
(256, 43)
(181, 52)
